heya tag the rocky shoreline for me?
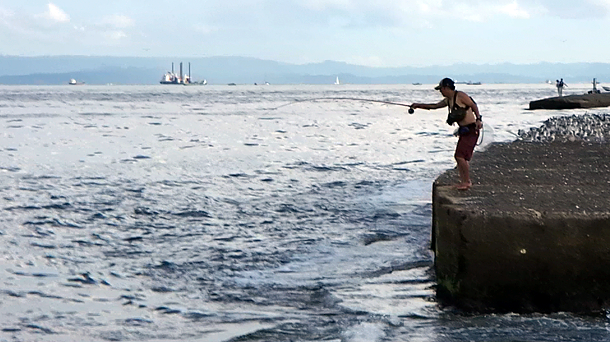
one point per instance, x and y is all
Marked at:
(587, 127)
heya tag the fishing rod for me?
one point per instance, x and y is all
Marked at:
(411, 111)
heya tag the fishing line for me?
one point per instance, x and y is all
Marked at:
(482, 136)
(345, 98)
(411, 111)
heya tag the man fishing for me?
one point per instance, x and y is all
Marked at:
(560, 85)
(464, 111)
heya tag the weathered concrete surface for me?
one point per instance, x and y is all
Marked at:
(573, 101)
(531, 235)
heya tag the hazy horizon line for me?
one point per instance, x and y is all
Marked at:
(301, 64)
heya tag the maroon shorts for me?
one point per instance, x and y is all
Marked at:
(467, 142)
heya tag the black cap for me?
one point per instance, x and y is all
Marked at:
(445, 82)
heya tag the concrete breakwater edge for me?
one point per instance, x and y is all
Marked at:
(572, 101)
(533, 233)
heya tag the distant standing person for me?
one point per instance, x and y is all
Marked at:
(594, 90)
(464, 111)
(560, 85)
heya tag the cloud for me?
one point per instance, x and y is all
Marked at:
(4, 13)
(568, 9)
(322, 5)
(6, 18)
(56, 14)
(50, 29)
(603, 4)
(514, 10)
(471, 10)
(406, 13)
(115, 35)
(111, 29)
(118, 21)
(204, 29)
(474, 10)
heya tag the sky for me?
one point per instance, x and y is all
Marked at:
(380, 33)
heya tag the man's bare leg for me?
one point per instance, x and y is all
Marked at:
(463, 171)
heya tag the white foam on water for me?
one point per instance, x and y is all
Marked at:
(364, 332)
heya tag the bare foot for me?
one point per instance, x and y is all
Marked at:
(463, 186)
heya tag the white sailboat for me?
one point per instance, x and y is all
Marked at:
(337, 80)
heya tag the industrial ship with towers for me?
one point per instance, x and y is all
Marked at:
(172, 77)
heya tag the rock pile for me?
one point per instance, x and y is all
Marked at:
(588, 127)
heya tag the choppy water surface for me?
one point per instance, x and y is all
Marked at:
(204, 214)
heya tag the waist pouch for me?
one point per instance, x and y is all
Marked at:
(465, 130)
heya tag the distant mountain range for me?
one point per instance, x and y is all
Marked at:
(48, 70)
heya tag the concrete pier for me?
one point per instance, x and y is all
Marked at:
(572, 101)
(531, 235)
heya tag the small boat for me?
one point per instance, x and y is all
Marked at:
(416, 83)
(337, 80)
(75, 82)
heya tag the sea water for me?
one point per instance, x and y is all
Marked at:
(239, 213)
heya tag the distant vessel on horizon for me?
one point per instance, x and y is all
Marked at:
(468, 83)
(337, 80)
(182, 79)
(473, 83)
(75, 82)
